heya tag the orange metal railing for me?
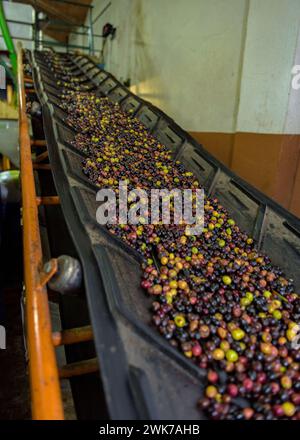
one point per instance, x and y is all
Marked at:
(46, 399)
(44, 378)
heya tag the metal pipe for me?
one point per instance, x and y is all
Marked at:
(54, 28)
(46, 399)
(8, 40)
(41, 157)
(66, 24)
(72, 336)
(78, 368)
(21, 38)
(102, 12)
(48, 200)
(40, 34)
(54, 43)
(19, 22)
(68, 2)
(91, 36)
(73, 32)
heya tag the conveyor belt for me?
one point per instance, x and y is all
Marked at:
(143, 376)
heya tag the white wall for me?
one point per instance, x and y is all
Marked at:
(186, 58)
(269, 55)
(18, 12)
(213, 65)
(183, 55)
(292, 122)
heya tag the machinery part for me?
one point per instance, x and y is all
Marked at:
(38, 143)
(41, 157)
(36, 109)
(5, 163)
(73, 336)
(126, 346)
(68, 277)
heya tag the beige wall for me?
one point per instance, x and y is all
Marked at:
(214, 65)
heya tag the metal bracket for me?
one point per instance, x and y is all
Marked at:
(50, 268)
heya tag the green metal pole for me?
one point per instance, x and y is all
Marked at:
(8, 41)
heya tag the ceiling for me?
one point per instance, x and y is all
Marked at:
(63, 16)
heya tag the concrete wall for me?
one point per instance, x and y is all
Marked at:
(222, 70)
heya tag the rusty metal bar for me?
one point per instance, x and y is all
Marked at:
(47, 200)
(41, 157)
(72, 336)
(46, 398)
(79, 368)
(41, 166)
(28, 91)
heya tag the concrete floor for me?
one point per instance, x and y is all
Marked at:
(14, 380)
